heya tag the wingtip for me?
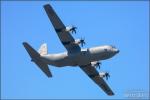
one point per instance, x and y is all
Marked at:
(49, 76)
(111, 94)
(46, 5)
(24, 43)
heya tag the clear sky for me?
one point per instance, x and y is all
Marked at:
(123, 24)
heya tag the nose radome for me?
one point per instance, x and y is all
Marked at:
(117, 51)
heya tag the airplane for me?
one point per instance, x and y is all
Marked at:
(87, 59)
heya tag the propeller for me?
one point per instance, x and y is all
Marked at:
(107, 75)
(82, 41)
(98, 65)
(73, 29)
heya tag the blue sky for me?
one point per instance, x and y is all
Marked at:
(123, 24)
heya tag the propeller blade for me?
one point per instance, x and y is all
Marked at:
(107, 75)
(73, 29)
(98, 65)
(82, 42)
(106, 78)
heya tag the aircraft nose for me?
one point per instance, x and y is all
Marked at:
(117, 51)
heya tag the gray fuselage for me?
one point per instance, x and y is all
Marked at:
(84, 57)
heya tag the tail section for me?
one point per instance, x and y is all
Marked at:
(43, 49)
(35, 56)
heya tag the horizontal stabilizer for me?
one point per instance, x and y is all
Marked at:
(35, 56)
(33, 53)
(44, 68)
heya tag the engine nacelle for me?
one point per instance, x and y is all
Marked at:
(94, 63)
(69, 28)
(102, 74)
(77, 41)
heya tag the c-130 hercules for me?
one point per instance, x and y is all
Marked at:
(87, 59)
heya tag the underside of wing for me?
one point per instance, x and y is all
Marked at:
(94, 75)
(64, 36)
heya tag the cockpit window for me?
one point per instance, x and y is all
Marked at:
(105, 49)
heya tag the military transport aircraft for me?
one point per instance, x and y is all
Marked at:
(87, 59)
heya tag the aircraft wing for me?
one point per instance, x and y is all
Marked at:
(94, 75)
(64, 36)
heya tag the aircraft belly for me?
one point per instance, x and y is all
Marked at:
(64, 62)
(83, 58)
(76, 59)
(60, 60)
(96, 55)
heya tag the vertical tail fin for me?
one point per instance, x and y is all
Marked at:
(43, 49)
